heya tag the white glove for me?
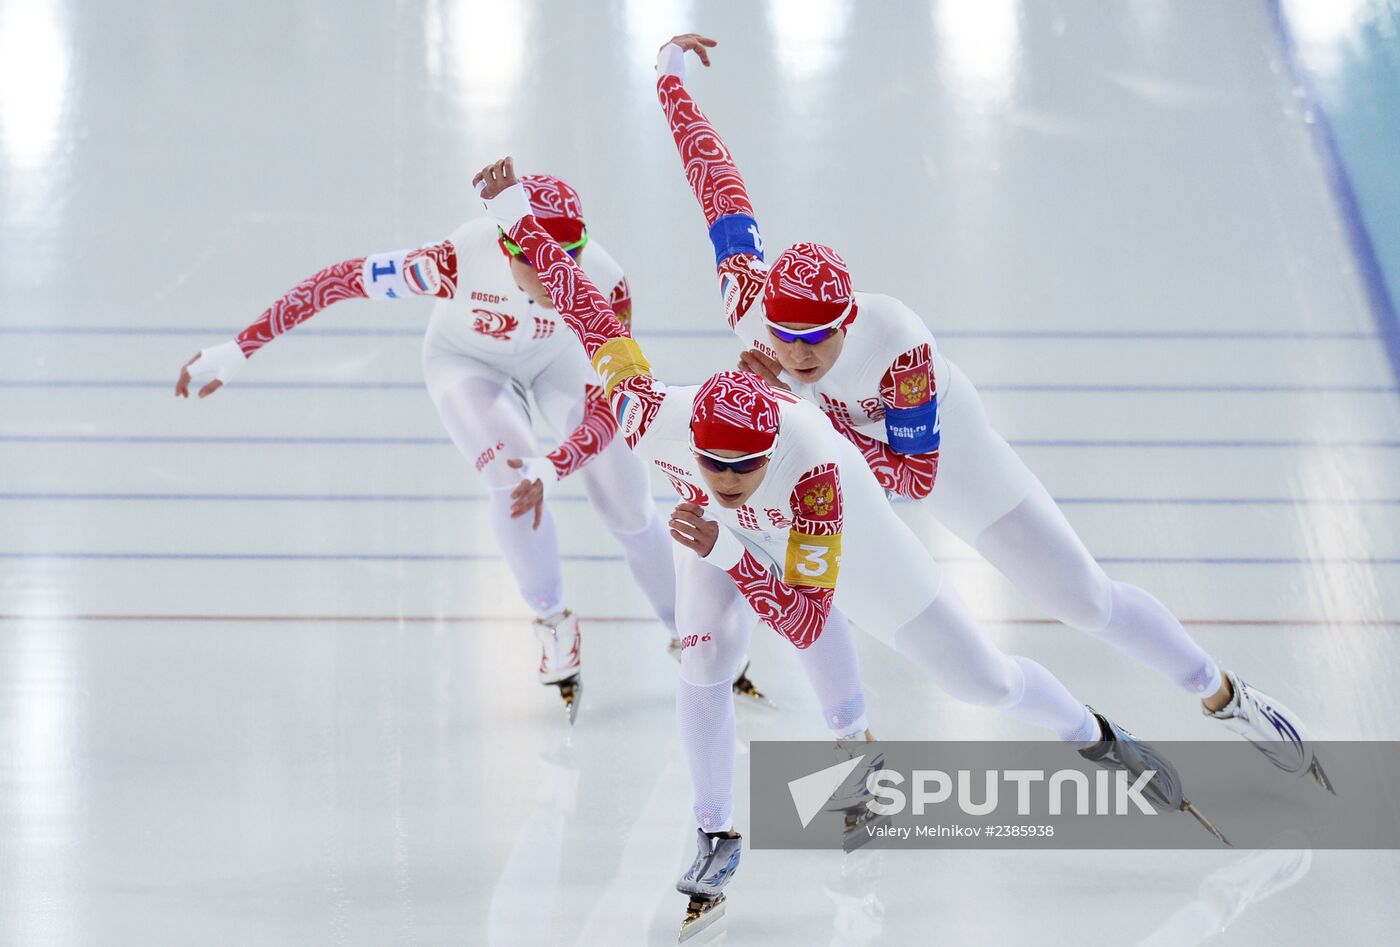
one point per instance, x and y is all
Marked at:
(670, 61)
(541, 469)
(727, 550)
(222, 362)
(508, 206)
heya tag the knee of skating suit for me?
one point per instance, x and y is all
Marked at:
(705, 716)
(617, 486)
(1035, 547)
(833, 670)
(945, 641)
(710, 655)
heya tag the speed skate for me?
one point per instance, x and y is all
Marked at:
(615, 404)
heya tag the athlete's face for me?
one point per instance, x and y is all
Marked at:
(529, 282)
(804, 361)
(731, 490)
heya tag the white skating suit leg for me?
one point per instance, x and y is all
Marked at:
(988, 496)
(985, 493)
(484, 352)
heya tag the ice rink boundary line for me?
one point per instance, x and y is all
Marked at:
(1339, 182)
(1204, 335)
(168, 385)
(19, 496)
(496, 557)
(443, 441)
(636, 620)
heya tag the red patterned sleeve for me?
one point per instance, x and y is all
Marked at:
(715, 180)
(346, 280)
(595, 432)
(909, 383)
(709, 167)
(797, 605)
(628, 384)
(908, 475)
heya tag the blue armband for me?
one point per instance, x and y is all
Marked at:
(913, 430)
(733, 234)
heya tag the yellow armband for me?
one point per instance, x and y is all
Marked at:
(617, 360)
(812, 561)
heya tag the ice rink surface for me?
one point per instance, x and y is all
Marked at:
(263, 677)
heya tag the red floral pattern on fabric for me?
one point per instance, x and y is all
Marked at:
(344, 280)
(741, 279)
(551, 197)
(340, 281)
(494, 325)
(810, 271)
(595, 432)
(798, 614)
(710, 169)
(715, 180)
(908, 475)
(636, 399)
(735, 411)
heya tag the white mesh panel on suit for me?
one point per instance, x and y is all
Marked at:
(486, 420)
(1036, 548)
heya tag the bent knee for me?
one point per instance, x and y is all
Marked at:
(706, 659)
(1089, 607)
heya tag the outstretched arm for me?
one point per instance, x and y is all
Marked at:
(427, 271)
(714, 179)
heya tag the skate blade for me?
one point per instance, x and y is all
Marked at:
(744, 687)
(1316, 771)
(700, 914)
(1195, 813)
(858, 832)
(571, 691)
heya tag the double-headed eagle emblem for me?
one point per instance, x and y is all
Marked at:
(914, 389)
(819, 499)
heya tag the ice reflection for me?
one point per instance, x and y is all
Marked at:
(649, 23)
(978, 47)
(488, 49)
(1324, 27)
(807, 34)
(38, 789)
(34, 68)
(1232, 889)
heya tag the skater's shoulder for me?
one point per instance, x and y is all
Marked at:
(887, 312)
(475, 236)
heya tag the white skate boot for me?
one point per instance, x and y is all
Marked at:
(1274, 730)
(716, 860)
(560, 661)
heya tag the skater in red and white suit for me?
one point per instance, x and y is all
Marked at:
(494, 336)
(873, 367)
(787, 522)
